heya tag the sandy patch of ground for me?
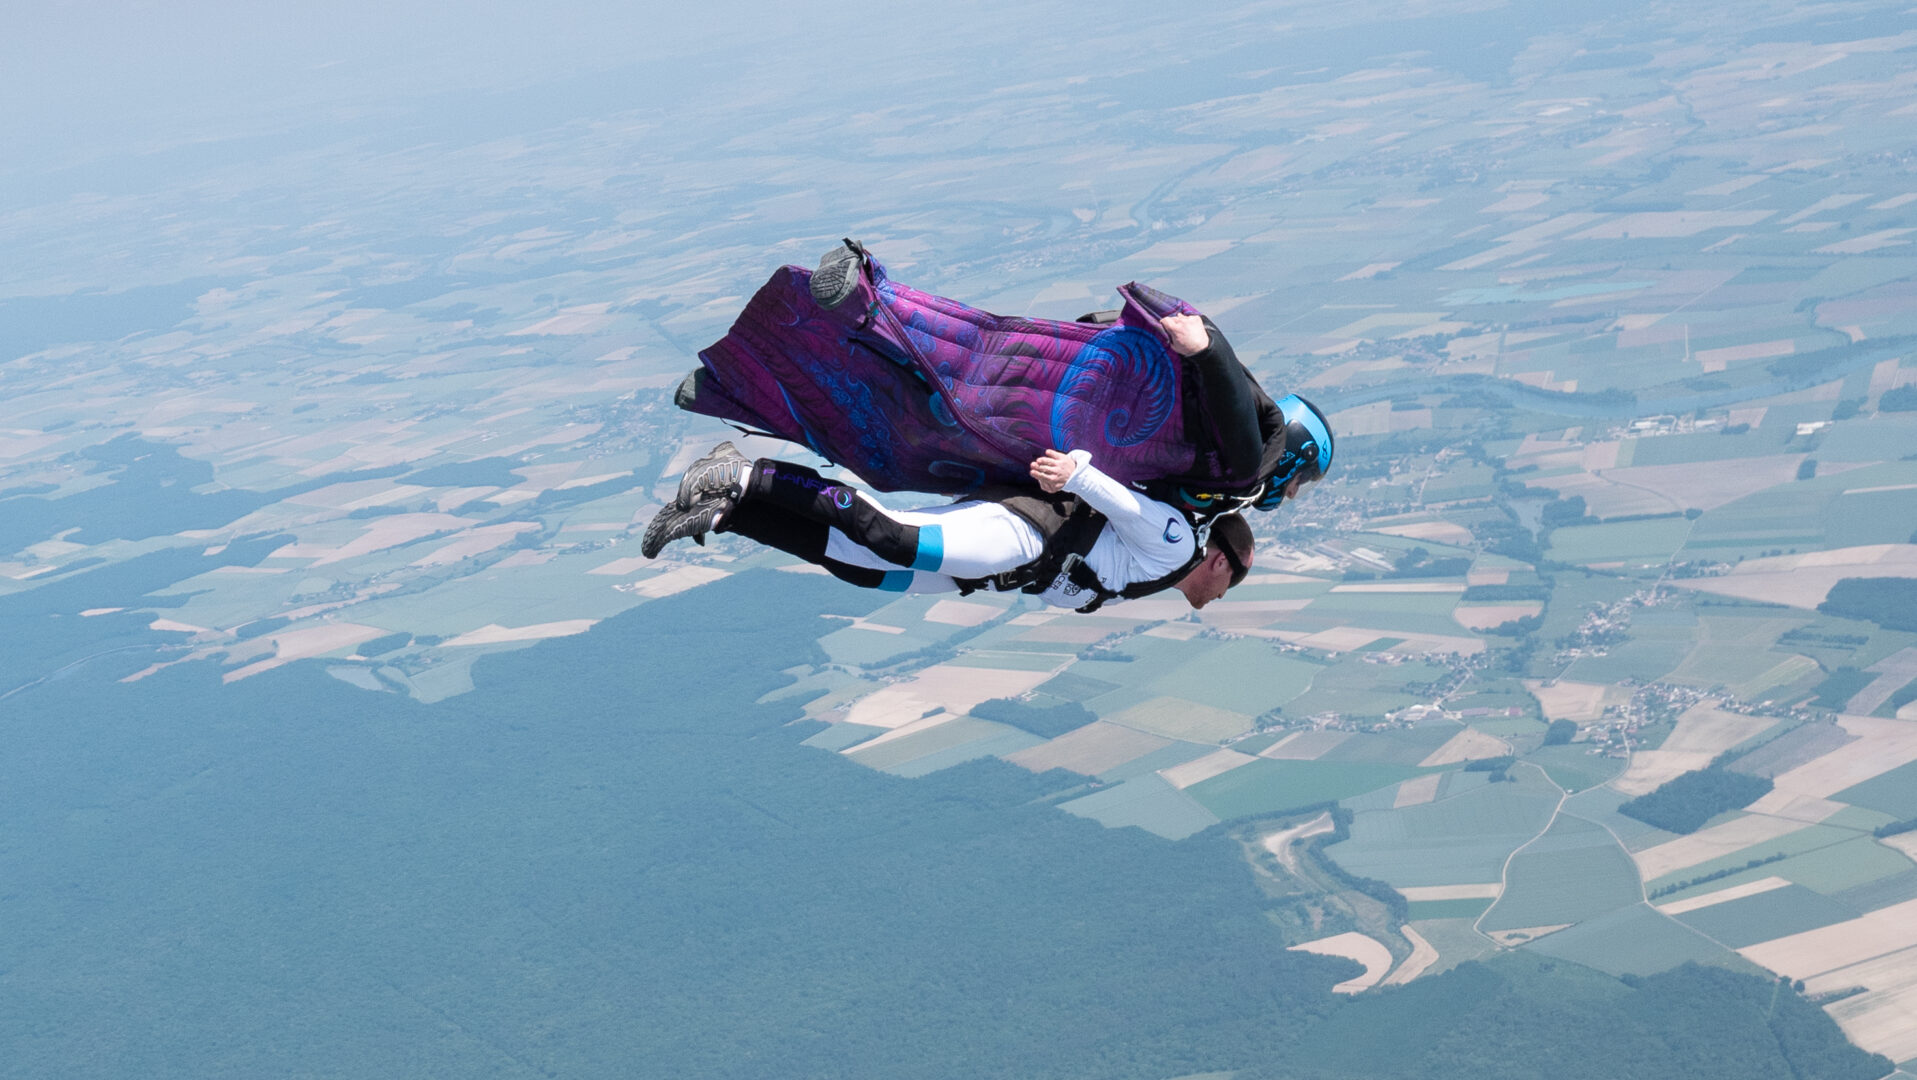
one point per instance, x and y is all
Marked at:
(1904, 842)
(495, 634)
(1706, 844)
(93, 611)
(1486, 616)
(1840, 945)
(383, 533)
(941, 686)
(1304, 745)
(1805, 580)
(1175, 631)
(1521, 935)
(1735, 892)
(1467, 745)
(676, 580)
(1283, 844)
(1417, 791)
(1702, 733)
(1881, 746)
(1095, 748)
(1352, 945)
(354, 495)
(175, 627)
(961, 613)
(1216, 763)
(306, 641)
(1481, 891)
(1423, 955)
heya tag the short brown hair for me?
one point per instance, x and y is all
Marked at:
(1230, 533)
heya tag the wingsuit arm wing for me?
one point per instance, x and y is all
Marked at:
(1245, 415)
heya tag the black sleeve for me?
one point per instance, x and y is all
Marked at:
(1241, 412)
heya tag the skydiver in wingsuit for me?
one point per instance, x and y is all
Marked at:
(918, 392)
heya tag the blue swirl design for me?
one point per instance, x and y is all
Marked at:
(1123, 356)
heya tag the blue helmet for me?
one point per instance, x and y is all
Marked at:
(1307, 452)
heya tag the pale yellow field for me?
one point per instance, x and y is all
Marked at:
(1719, 359)
(1710, 843)
(1352, 945)
(1283, 844)
(1604, 498)
(1175, 631)
(1304, 745)
(1840, 945)
(1486, 616)
(1467, 745)
(1805, 580)
(474, 542)
(1216, 763)
(961, 613)
(1884, 1018)
(1177, 718)
(304, 642)
(1702, 733)
(1487, 576)
(940, 686)
(622, 567)
(1882, 745)
(1421, 958)
(1808, 809)
(923, 723)
(1417, 791)
(1735, 892)
(1484, 890)
(1093, 749)
(495, 634)
(1578, 701)
(678, 580)
(1443, 532)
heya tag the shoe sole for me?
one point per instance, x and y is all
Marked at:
(837, 277)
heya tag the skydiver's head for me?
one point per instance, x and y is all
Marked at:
(1227, 560)
(1306, 456)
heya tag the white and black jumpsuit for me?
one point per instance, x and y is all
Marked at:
(941, 548)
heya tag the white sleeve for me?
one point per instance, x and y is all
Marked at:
(1156, 534)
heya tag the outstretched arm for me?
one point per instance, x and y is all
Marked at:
(1155, 533)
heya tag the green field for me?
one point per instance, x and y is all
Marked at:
(1147, 802)
(1573, 767)
(1820, 857)
(1574, 872)
(1635, 542)
(1774, 914)
(1460, 839)
(1351, 687)
(1893, 793)
(1247, 676)
(1635, 940)
(960, 731)
(839, 736)
(1074, 686)
(1421, 613)
(1011, 661)
(1449, 909)
(1266, 786)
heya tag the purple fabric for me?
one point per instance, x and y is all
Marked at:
(915, 392)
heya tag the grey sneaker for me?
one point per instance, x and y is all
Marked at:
(673, 523)
(721, 472)
(837, 277)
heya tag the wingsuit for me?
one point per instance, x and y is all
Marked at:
(916, 392)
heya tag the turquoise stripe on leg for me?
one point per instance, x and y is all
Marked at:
(931, 550)
(896, 581)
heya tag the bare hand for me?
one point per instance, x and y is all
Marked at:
(1052, 470)
(1187, 333)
